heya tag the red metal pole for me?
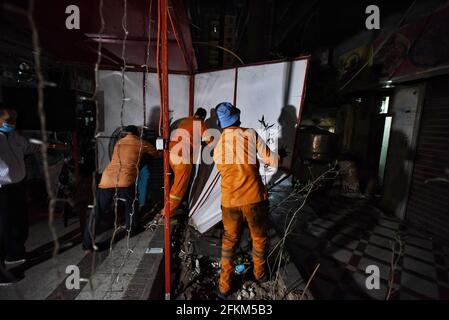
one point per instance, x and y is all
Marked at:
(167, 242)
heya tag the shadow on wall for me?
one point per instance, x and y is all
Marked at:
(287, 121)
(212, 121)
(153, 118)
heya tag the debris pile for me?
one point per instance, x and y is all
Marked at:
(198, 278)
(200, 274)
(197, 265)
(269, 290)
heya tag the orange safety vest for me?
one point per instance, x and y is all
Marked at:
(185, 139)
(236, 158)
(125, 162)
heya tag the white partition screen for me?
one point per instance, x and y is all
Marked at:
(110, 83)
(269, 96)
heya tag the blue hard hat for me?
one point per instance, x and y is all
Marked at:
(227, 114)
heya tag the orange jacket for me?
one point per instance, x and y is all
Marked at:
(186, 140)
(126, 152)
(236, 158)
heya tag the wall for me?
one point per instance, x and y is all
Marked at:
(405, 108)
(428, 202)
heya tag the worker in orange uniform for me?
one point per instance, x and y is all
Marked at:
(120, 176)
(243, 194)
(184, 146)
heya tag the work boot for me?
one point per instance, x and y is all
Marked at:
(14, 261)
(5, 281)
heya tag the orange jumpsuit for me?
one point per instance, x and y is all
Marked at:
(125, 162)
(243, 197)
(185, 143)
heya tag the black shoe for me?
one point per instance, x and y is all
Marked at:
(15, 261)
(5, 281)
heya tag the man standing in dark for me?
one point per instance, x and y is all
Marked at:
(13, 211)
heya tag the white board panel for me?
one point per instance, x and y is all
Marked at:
(272, 92)
(110, 82)
(211, 88)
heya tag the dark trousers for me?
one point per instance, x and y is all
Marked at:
(105, 201)
(13, 221)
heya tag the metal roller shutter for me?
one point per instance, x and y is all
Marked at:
(428, 204)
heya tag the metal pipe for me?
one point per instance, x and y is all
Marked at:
(164, 64)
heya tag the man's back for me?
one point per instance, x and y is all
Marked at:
(186, 136)
(236, 158)
(125, 162)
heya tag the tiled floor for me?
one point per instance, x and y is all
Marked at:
(346, 235)
(44, 278)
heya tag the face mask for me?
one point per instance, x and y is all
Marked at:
(7, 128)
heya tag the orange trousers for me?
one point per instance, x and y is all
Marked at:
(257, 216)
(181, 174)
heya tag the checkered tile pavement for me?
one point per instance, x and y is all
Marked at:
(347, 235)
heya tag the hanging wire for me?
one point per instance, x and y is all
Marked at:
(41, 83)
(147, 64)
(95, 99)
(158, 66)
(43, 123)
(147, 59)
(118, 145)
(129, 250)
